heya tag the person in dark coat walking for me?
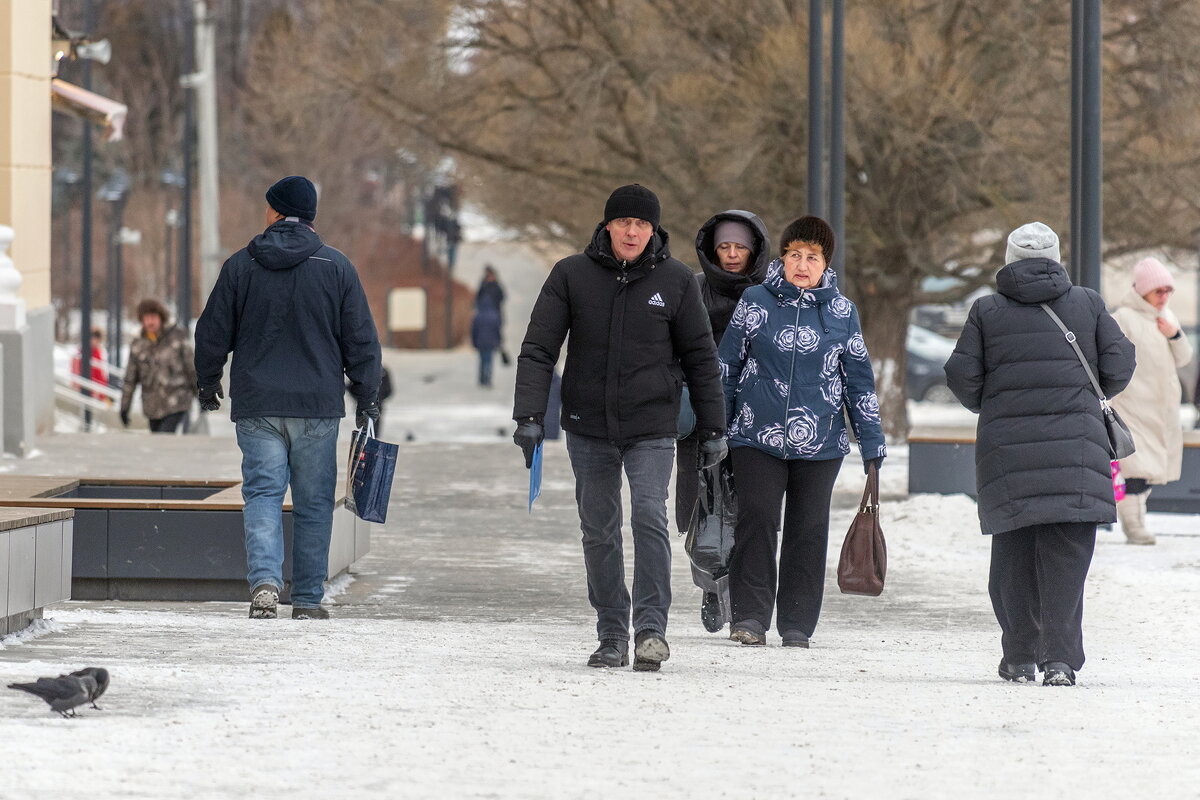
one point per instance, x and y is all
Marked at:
(485, 337)
(794, 365)
(637, 330)
(292, 311)
(734, 251)
(162, 362)
(1042, 454)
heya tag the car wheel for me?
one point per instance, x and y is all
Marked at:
(939, 393)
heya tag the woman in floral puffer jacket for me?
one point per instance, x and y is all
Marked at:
(792, 358)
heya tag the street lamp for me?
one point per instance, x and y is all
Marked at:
(115, 191)
(173, 180)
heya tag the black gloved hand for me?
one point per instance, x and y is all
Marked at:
(369, 411)
(210, 397)
(878, 462)
(528, 436)
(125, 417)
(713, 449)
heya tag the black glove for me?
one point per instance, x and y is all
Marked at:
(364, 412)
(878, 462)
(125, 418)
(713, 449)
(210, 397)
(528, 436)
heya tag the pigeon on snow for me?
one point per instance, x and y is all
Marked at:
(66, 692)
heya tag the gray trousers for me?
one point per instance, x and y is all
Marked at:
(597, 464)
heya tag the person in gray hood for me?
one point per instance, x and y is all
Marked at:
(1041, 451)
(733, 250)
(292, 311)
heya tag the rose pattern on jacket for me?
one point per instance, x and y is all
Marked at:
(773, 436)
(840, 307)
(807, 340)
(802, 431)
(868, 406)
(744, 421)
(749, 371)
(832, 391)
(832, 364)
(785, 339)
(857, 348)
(781, 387)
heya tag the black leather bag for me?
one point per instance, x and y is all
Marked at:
(1120, 440)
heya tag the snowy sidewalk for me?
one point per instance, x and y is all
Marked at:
(454, 667)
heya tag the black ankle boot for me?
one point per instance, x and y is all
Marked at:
(610, 653)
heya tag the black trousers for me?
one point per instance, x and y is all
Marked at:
(1036, 585)
(170, 423)
(797, 587)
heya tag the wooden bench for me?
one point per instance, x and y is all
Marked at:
(941, 460)
(138, 539)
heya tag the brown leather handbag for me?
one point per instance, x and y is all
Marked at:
(863, 565)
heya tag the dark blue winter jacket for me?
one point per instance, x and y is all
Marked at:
(293, 313)
(791, 359)
(485, 328)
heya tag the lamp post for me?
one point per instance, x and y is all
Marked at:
(115, 192)
(172, 179)
(65, 180)
(816, 117)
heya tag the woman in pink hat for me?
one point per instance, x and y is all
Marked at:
(1150, 404)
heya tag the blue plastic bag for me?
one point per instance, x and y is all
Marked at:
(535, 475)
(369, 475)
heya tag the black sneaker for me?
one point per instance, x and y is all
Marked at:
(264, 600)
(710, 612)
(794, 639)
(300, 612)
(1018, 672)
(1056, 673)
(749, 632)
(610, 653)
(649, 651)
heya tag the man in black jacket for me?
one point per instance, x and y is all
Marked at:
(637, 329)
(293, 313)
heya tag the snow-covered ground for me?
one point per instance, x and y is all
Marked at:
(454, 665)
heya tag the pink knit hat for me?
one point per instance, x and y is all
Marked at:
(1150, 274)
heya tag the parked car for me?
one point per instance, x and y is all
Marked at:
(926, 376)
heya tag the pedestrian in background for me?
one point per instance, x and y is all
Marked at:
(637, 329)
(485, 338)
(1150, 403)
(292, 311)
(734, 251)
(161, 361)
(794, 365)
(1042, 458)
(99, 360)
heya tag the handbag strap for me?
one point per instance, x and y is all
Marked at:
(1082, 360)
(870, 498)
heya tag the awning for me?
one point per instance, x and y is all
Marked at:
(98, 109)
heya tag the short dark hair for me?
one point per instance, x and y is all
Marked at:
(810, 230)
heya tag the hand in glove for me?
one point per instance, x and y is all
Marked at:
(528, 436)
(878, 462)
(364, 412)
(713, 449)
(125, 417)
(210, 397)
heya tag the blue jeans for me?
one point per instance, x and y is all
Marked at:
(276, 452)
(486, 355)
(597, 465)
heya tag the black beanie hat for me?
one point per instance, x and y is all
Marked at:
(294, 196)
(633, 200)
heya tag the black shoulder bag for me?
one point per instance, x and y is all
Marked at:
(1120, 440)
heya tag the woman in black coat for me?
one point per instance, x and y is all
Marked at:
(734, 252)
(1041, 453)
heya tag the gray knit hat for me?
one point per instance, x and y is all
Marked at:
(731, 230)
(1032, 240)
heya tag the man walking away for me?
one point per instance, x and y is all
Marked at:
(637, 329)
(292, 311)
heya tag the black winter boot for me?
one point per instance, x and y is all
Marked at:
(1018, 672)
(610, 653)
(649, 651)
(710, 612)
